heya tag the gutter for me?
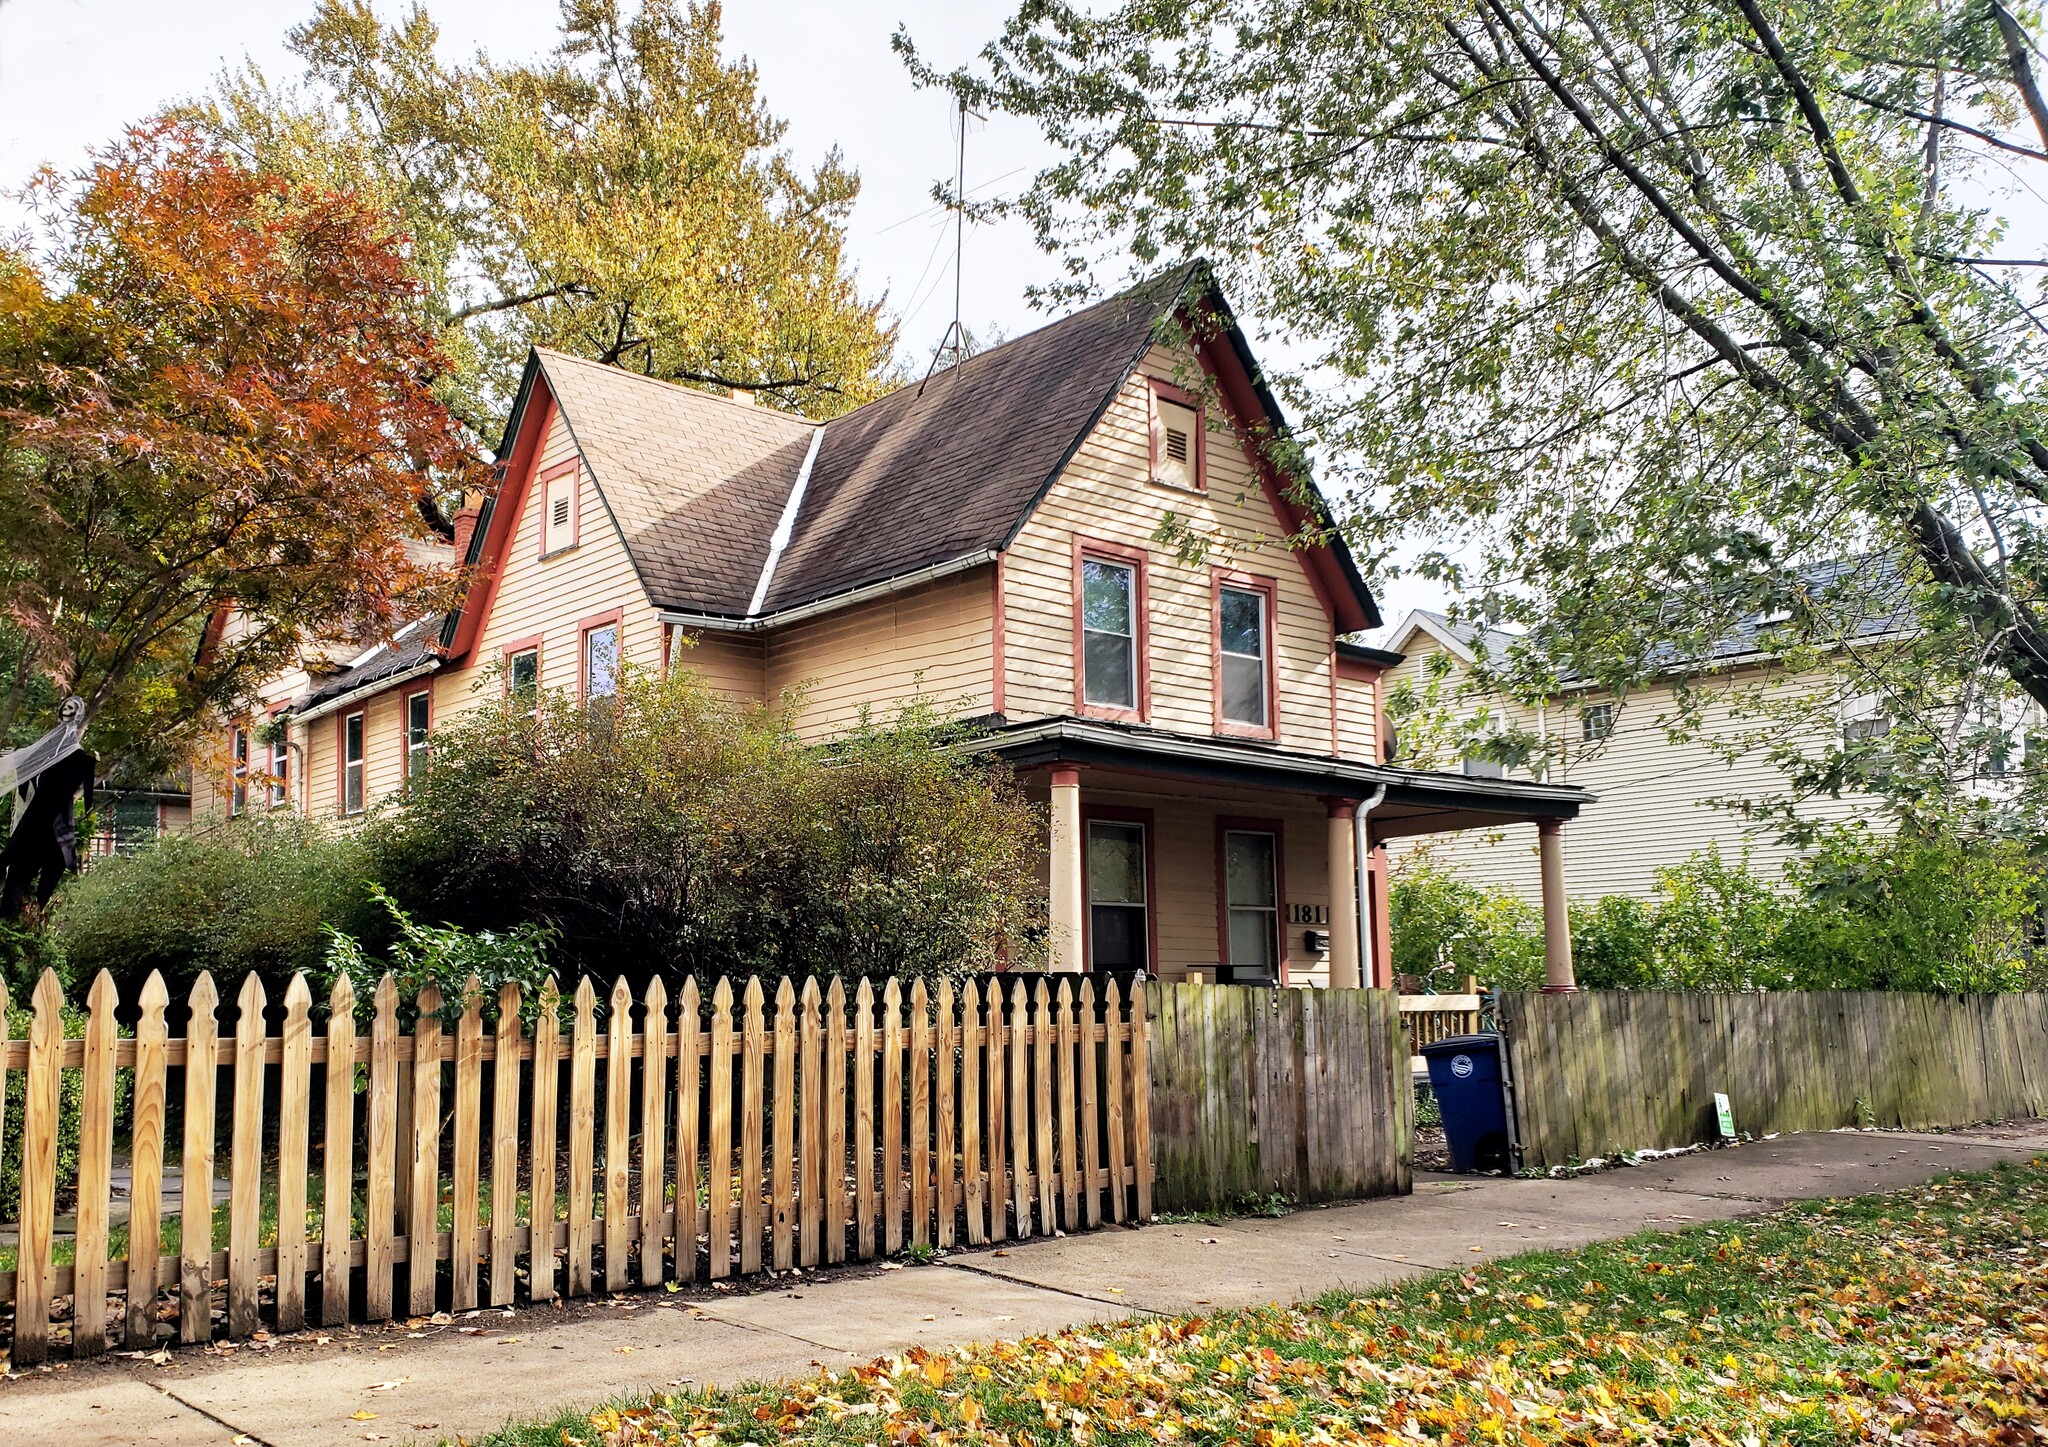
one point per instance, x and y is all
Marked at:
(761, 623)
(335, 705)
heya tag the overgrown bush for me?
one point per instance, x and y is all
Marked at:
(444, 957)
(1858, 910)
(252, 894)
(674, 827)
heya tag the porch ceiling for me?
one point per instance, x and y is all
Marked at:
(1416, 801)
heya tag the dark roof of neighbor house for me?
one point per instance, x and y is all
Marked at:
(941, 472)
(1866, 594)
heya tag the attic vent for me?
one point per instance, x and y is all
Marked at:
(1176, 445)
(561, 515)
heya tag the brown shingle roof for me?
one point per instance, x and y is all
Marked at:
(695, 482)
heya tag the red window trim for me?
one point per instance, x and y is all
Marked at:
(1137, 561)
(341, 761)
(573, 465)
(1112, 814)
(405, 725)
(531, 643)
(615, 617)
(1235, 824)
(1219, 579)
(1157, 391)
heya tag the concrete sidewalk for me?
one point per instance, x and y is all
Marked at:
(470, 1375)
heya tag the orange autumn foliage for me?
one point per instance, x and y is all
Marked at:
(216, 389)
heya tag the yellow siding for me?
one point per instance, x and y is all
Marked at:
(1106, 493)
(930, 643)
(1654, 800)
(731, 664)
(1357, 719)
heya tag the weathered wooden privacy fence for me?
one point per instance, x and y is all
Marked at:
(1303, 1092)
(1611, 1070)
(702, 1142)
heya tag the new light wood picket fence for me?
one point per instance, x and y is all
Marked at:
(813, 1136)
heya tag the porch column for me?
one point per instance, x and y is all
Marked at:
(1343, 895)
(1557, 928)
(1064, 935)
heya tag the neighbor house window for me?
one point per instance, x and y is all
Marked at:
(522, 681)
(238, 754)
(1178, 455)
(1118, 930)
(1110, 630)
(352, 764)
(280, 768)
(1478, 768)
(1244, 655)
(601, 661)
(1596, 722)
(419, 721)
(1251, 901)
(1864, 721)
(558, 509)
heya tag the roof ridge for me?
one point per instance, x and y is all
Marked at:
(679, 388)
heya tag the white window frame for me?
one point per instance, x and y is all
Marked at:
(1263, 658)
(418, 741)
(355, 748)
(1134, 595)
(238, 768)
(1596, 722)
(280, 769)
(1272, 912)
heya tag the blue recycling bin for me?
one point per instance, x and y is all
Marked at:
(1464, 1074)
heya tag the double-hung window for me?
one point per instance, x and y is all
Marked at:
(419, 721)
(522, 681)
(1596, 722)
(238, 751)
(1110, 617)
(1244, 657)
(1251, 901)
(280, 769)
(352, 764)
(600, 662)
(1119, 933)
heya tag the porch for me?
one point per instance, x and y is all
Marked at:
(1202, 859)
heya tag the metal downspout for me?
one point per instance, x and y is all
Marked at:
(1368, 938)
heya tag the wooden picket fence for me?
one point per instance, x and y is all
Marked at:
(811, 1137)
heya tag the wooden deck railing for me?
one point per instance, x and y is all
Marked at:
(1426, 1019)
(698, 1143)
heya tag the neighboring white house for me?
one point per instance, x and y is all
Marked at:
(1656, 802)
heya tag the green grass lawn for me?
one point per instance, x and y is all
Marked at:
(1919, 1316)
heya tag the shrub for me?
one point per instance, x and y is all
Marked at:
(672, 825)
(445, 957)
(1445, 928)
(253, 894)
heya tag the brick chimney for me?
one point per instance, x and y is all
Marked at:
(465, 522)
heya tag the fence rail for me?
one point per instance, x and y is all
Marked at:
(1604, 1071)
(734, 1140)
(1426, 1019)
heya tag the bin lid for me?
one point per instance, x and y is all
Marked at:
(1461, 1044)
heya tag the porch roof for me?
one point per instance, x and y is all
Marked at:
(1417, 801)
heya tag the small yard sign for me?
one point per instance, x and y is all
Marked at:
(1725, 1114)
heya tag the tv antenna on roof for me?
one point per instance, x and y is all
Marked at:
(955, 339)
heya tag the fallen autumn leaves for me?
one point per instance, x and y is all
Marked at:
(1916, 1317)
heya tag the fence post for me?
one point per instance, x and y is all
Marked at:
(338, 1154)
(41, 1097)
(146, 1170)
(653, 1132)
(469, 1126)
(95, 1175)
(753, 1081)
(945, 1196)
(294, 1127)
(783, 1184)
(195, 1178)
(718, 1170)
(505, 1149)
(582, 1134)
(547, 1085)
(618, 1126)
(864, 1120)
(425, 1219)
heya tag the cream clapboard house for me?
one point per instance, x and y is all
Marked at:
(1660, 800)
(1209, 752)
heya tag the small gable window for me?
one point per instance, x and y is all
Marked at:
(1178, 458)
(558, 509)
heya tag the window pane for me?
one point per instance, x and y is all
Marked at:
(416, 719)
(1111, 672)
(354, 745)
(523, 675)
(601, 662)
(1244, 690)
(1244, 622)
(1251, 940)
(1116, 864)
(1105, 597)
(1119, 937)
(1248, 869)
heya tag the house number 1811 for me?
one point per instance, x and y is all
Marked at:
(1308, 914)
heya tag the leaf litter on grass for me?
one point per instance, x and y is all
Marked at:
(1917, 1317)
